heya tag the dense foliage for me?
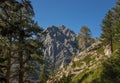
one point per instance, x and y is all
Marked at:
(111, 70)
(111, 26)
(20, 47)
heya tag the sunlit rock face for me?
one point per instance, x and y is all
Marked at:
(107, 50)
(61, 45)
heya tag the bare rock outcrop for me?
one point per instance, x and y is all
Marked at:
(61, 44)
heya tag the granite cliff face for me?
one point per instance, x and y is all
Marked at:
(61, 45)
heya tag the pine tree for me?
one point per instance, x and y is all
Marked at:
(110, 26)
(116, 19)
(28, 31)
(19, 41)
(107, 30)
(6, 35)
(83, 37)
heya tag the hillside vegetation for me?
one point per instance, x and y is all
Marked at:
(92, 66)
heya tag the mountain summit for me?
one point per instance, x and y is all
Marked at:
(61, 45)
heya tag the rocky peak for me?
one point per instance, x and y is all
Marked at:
(61, 44)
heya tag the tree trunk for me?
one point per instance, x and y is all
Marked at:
(8, 66)
(111, 45)
(21, 64)
(20, 68)
(8, 71)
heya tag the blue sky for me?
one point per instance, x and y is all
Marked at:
(72, 13)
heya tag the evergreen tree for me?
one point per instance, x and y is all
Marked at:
(116, 19)
(110, 26)
(107, 30)
(6, 36)
(19, 43)
(83, 37)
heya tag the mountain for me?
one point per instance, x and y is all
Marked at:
(60, 45)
